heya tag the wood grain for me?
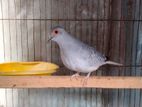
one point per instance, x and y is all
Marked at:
(64, 81)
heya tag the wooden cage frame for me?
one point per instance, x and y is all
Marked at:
(115, 82)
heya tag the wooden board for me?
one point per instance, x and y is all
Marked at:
(65, 82)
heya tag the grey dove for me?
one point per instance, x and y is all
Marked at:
(76, 55)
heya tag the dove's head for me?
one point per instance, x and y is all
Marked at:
(57, 33)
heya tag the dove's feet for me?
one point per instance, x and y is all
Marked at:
(84, 81)
(75, 76)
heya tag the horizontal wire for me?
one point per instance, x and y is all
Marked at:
(117, 66)
(77, 19)
(127, 66)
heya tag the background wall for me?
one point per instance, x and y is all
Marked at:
(114, 27)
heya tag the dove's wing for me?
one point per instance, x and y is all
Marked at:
(92, 56)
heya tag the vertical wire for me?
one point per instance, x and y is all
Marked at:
(96, 91)
(33, 30)
(40, 29)
(21, 31)
(119, 73)
(9, 31)
(138, 29)
(86, 23)
(91, 43)
(3, 29)
(16, 47)
(46, 28)
(27, 30)
(58, 24)
(3, 44)
(28, 53)
(16, 28)
(140, 16)
(51, 49)
(64, 90)
(21, 45)
(6, 97)
(104, 23)
(50, 28)
(92, 24)
(119, 27)
(133, 62)
(132, 73)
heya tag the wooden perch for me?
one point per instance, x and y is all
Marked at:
(65, 82)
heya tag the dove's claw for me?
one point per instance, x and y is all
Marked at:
(75, 76)
(84, 81)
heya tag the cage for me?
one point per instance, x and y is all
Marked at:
(113, 27)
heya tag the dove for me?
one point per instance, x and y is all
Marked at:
(76, 55)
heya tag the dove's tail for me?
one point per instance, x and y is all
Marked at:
(113, 63)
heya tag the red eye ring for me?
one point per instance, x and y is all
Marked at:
(56, 31)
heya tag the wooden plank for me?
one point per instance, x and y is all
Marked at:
(15, 97)
(37, 40)
(12, 9)
(140, 10)
(55, 9)
(30, 40)
(116, 9)
(13, 37)
(122, 54)
(2, 97)
(2, 42)
(17, 9)
(9, 102)
(84, 10)
(72, 9)
(5, 7)
(55, 49)
(94, 97)
(42, 9)
(107, 9)
(30, 9)
(78, 9)
(60, 13)
(24, 40)
(44, 33)
(95, 9)
(100, 36)
(23, 9)
(100, 13)
(138, 61)
(19, 40)
(48, 9)
(128, 9)
(89, 32)
(1, 14)
(21, 97)
(137, 10)
(7, 40)
(64, 81)
(48, 45)
(133, 93)
(36, 11)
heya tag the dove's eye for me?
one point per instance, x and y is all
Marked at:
(56, 32)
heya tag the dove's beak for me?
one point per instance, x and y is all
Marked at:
(50, 39)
